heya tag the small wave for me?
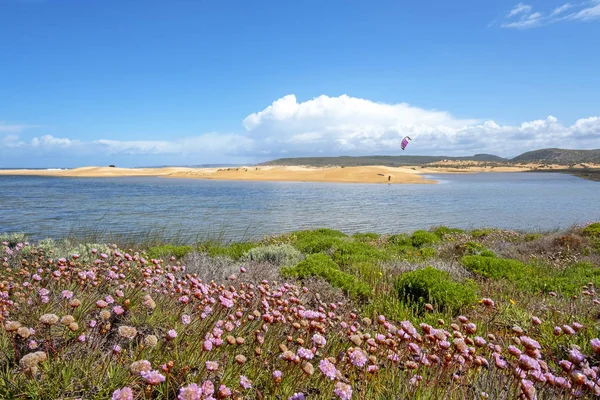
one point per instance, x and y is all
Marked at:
(56, 169)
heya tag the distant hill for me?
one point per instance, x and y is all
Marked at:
(392, 161)
(559, 156)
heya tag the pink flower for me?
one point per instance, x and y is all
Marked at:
(245, 382)
(81, 338)
(118, 310)
(171, 334)
(536, 321)
(208, 388)
(186, 319)
(224, 391)
(343, 391)
(123, 394)
(92, 323)
(67, 294)
(595, 345)
(242, 270)
(305, 353)
(190, 392)
(297, 396)
(319, 340)
(212, 365)
(328, 369)
(152, 377)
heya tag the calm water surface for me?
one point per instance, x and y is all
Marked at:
(56, 206)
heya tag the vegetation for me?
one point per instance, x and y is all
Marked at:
(314, 314)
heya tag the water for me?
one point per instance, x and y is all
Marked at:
(56, 206)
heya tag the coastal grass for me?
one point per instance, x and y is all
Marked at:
(253, 307)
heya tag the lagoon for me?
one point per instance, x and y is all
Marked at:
(59, 206)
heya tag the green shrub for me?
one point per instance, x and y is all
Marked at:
(430, 285)
(366, 237)
(495, 268)
(444, 230)
(284, 254)
(349, 252)
(317, 241)
(321, 265)
(479, 233)
(592, 230)
(400, 239)
(235, 250)
(571, 280)
(158, 252)
(422, 238)
(427, 252)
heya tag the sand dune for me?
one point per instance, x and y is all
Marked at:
(362, 174)
(369, 174)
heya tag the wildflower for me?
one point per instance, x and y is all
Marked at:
(297, 396)
(305, 353)
(208, 388)
(186, 319)
(190, 392)
(32, 344)
(212, 365)
(224, 391)
(557, 331)
(488, 302)
(536, 321)
(92, 323)
(595, 345)
(67, 294)
(568, 330)
(118, 310)
(328, 369)
(242, 269)
(49, 319)
(123, 394)
(116, 348)
(277, 376)
(150, 340)
(171, 334)
(245, 382)
(140, 366)
(127, 332)
(575, 356)
(101, 304)
(528, 389)
(81, 338)
(152, 377)
(343, 391)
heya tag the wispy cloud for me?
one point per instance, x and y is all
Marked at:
(520, 9)
(523, 16)
(14, 128)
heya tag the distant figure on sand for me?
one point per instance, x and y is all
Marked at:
(389, 178)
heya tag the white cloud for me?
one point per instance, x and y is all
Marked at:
(522, 16)
(592, 12)
(561, 9)
(347, 125)
(11, 142)
(49, 142)
(520, 9)
(326, 125)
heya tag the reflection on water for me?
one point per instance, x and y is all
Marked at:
(53, 206)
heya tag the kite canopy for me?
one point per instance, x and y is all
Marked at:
(405, 142)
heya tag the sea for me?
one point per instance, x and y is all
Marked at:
(59, 207)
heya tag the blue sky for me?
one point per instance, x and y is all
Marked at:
(147, 82)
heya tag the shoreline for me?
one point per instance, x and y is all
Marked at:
(370, 174)
(357, 174)
(377, 174)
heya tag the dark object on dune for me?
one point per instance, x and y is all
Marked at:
(111, 166)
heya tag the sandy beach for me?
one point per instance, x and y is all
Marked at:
(360, 174)
(368, 174)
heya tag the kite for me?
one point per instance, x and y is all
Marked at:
(405, 142)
